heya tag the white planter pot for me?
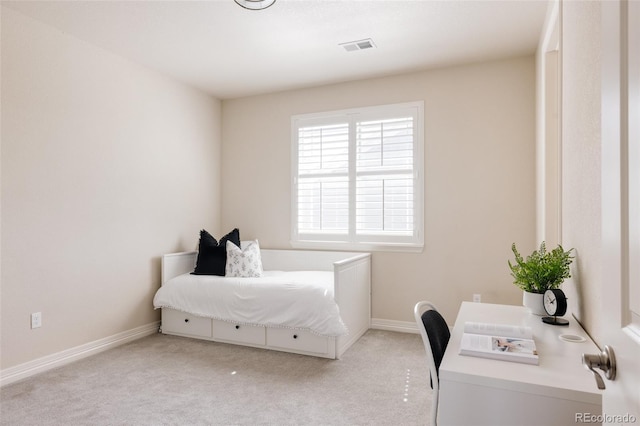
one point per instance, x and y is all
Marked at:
(533, 301)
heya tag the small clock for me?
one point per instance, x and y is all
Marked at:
(555, 304)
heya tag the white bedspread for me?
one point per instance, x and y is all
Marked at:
(293, 299)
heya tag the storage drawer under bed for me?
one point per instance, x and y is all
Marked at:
(231, 332)
(182, 323)
(296, 340)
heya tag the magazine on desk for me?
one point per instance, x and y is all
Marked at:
(497, 341)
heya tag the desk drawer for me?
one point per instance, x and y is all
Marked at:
(296, 340)
(177, 322)
(230, 332)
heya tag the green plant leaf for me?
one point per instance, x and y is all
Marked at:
(542, 269)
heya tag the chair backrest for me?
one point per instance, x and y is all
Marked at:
(435, 336)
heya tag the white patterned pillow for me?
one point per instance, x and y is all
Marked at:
(245, 262)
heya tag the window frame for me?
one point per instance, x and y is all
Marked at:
(352, 240)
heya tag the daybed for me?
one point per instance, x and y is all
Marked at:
(346, 277)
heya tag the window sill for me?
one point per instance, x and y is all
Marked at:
(368, 247)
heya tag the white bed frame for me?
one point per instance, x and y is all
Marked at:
(352, 293)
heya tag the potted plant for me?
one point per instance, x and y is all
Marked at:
(539, 272)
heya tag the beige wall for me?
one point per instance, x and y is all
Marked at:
(479, 178)
(105, 166)
(581, 200)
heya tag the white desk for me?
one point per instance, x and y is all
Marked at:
(479, 391)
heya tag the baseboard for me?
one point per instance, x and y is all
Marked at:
(392, 325)
(22, 371)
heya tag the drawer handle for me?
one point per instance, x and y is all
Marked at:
(186, 320)
(295, 336)
(237, 327)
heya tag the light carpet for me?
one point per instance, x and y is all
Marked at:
(166, 380)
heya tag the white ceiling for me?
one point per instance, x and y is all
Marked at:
(232, 52)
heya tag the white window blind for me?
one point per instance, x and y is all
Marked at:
(384, 176)
(357, 177)
(323, 178)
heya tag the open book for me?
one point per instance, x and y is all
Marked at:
(496, 341)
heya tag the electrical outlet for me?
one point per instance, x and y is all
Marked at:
(477, 298)
(36, 320)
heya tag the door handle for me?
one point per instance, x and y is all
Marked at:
(605, 361)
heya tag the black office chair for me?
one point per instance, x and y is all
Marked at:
(435, 336)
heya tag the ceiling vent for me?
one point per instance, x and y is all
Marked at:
(358, 45)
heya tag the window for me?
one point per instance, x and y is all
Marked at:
(357, 178)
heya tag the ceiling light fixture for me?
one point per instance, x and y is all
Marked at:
(255, 4)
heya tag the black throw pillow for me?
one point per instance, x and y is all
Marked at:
(212, 255)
